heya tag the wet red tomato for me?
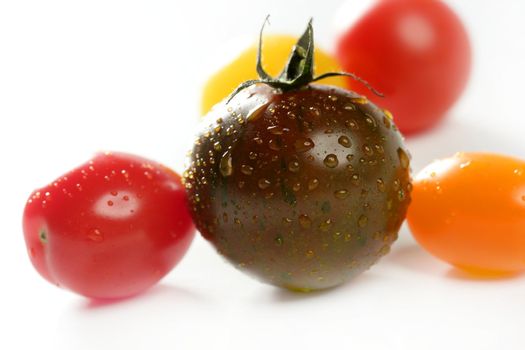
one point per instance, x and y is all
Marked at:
(415, 52)
(109, 228)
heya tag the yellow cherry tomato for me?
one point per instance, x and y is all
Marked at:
(275, 52)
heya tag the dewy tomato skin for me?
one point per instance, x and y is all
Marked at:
(417, 53)
(469, 210)
(299, 185)
(110, 228)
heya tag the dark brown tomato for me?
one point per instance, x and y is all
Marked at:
(302, 189)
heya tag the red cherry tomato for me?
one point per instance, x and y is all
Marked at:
(416, 52)
(109, 228)
(469, 210)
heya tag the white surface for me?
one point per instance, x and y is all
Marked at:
(77, 77)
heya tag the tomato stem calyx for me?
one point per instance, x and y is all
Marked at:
(298, 71)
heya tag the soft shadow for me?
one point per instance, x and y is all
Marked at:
(414, 258)
(281, 295)
(463, 275)
(159, 291)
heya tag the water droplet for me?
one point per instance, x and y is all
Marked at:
(464, 164)
(258, 140)
(217, 146)
(352, 124)
(312, 184)
(240, 184)
(114, 193)
(370, 121)
(403, 158)
(79, 187)
(315, 111)
(329, 131)
(401, 195)
(396, 185)
(294, 166)
(344, 141)
(296, 187)
(331, 161)
(361, 100)
(110, 203)
(246, 169)
(95, 235)
(380, 185)
(279, 240)
(387, 122)
(303, 144)
(264, 183)
(217, 129)
(237, 221)
(273, 144)
(225, 165)
(252, 155)
(518, 172)
(325, 225)
(126, 198)
(287, 221)
(388, 114)
(362, 221)
(276, 130)
(310, 254)
(355, 179)
(341, 194)
(349, 107)
(348, 237)
(349, 157)
(305, 221)
(256, 113)
(379, 149)
(368, 150)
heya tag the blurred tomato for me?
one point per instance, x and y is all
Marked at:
(416, 52)
(469, 210)
(276, 49)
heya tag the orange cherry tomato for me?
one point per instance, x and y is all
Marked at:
(469, 210)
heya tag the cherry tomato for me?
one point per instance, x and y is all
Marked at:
(109, 228)
(275, 50)
(301, 185)
(416, 52)
(469, 210)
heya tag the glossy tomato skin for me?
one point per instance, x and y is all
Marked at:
(417, 53)
(110, 228)
(469, 210)
(302, 189)
(275, 51)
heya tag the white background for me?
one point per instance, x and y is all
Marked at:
(78, 77)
